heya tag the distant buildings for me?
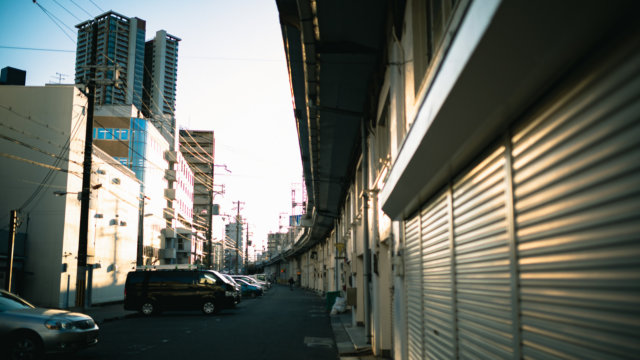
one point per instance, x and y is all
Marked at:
(143, 178)
(167, 184)
(198, 149)
(135, 144)
(120, 40)
(234, 254)
(12, 76)
(147, 71)
(161, 73)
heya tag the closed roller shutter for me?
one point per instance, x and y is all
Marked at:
(483, 269)
(439, 335)
(413, 286)
(577, 207)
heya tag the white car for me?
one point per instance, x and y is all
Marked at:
(28, 332)
(252, 281)
(262, 278)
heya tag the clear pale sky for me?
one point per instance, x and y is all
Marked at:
(232, 78)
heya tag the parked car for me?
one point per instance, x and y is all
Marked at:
(262, 278)
(237, 294)
(249, 290)
(153, 291)
(28, 332)
(251, 281)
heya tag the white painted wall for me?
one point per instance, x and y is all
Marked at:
(38, 122)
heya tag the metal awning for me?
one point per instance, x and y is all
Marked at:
(332, 48)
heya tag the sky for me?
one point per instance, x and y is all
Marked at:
(232, 79)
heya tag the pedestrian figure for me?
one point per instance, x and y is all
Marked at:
(291, 283)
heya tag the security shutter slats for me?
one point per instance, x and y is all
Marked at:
(437, 280)
(413, 287)
(544, 232)
(577, 208)
(482, 260)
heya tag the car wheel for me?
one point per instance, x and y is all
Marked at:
(253, 295)
(208, 307)
(148, 308)
(25, 346)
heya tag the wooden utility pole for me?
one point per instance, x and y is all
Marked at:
(246, 252)
(91, 82)
(81, 274)
(238, 222)
(13, 224)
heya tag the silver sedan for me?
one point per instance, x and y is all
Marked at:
(28, 332)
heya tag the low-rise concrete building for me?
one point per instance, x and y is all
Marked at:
(42, 149)
(472, 171)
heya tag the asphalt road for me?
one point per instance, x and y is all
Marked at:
(282, 324)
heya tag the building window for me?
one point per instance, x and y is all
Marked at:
(430, 21)
(101, 134)
(111, 134)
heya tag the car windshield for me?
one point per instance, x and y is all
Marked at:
(248, 279)
(230, 279)
(222, 277)
(11, 302)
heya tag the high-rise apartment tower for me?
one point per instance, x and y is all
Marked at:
(161, 73)
(120, 40)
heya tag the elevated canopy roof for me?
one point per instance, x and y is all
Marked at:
(332, 47)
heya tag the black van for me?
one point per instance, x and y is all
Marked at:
(153, 291)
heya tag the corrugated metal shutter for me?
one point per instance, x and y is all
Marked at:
(483, 270)
(413, 286)
(439, 334)
(577, 207)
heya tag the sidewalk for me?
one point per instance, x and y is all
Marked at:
(102, 313)
(351, 340)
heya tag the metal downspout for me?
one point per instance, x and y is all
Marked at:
(365, 233)
(335, 269)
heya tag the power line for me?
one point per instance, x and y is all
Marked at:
(55, 20)
(34, 148)
(35, 137)
(30, 118)
(86, 12)
(51, 167)
(202, 177)
(35, 49)
(65, 9)
(49, 174)
(96, 5)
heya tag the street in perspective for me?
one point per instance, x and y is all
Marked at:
(320, 179)
(281, 324)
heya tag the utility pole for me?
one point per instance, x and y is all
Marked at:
(246, 252)
(81, 274)
(91, 82)
(13, 224)
(238, 221)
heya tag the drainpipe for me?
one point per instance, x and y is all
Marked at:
(309, 269)
(365, 233)
(335, 268)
